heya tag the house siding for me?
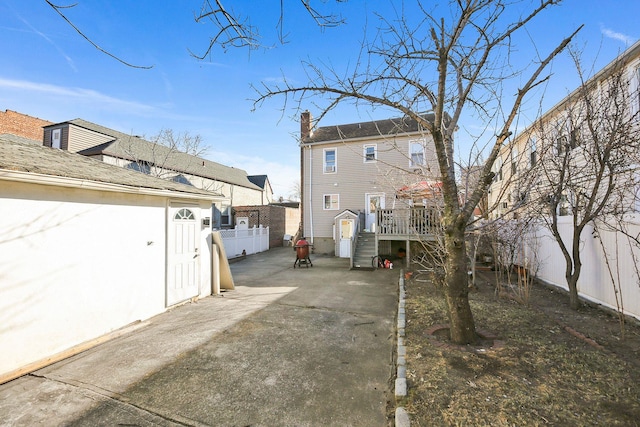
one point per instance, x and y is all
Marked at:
(82, 139)
(101, 265)
(354, 179)
(75, 138)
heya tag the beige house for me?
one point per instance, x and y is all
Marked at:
(128, 151)
(356, 186)
(551, 166)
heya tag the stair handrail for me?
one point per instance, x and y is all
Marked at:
(354, 242)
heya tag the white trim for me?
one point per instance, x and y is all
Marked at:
(422, 144)
(334, 167)
(34, 178)
(375, 153)
(337, 201)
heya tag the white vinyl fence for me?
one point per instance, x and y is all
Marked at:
(609, 273)
(248, 241)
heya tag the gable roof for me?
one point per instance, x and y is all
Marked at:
(259, 180)
(16, 156)
(134, 148)
(376, 128)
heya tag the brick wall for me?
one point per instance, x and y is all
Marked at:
(22, 125)
(277, 218)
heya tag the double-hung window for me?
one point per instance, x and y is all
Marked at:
(634, 94)
(331, 202)
(225, 218)
(533, 151)
(370, 153)
(416, 154)
(498, 169)
(330, 160)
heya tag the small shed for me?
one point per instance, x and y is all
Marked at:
(88, 248)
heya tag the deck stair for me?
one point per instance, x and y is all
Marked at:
(365, 250)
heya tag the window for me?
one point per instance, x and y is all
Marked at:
(370, 153)
(184, 215)
(225, 215)
(575, 138)
(634, 94)
(416, 154)
(564, 208)
(561, 145)
(498, 169)
(331, 202)
(533, 151)
(330, 160)
(514, 160)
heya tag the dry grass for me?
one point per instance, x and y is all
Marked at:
(557, 367)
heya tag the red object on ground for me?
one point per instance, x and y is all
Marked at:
(302, 253)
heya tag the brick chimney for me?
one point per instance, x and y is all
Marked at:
(305, 125)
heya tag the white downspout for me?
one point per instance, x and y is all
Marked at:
(311, 192)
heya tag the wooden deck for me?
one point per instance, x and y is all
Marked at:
(406, 224)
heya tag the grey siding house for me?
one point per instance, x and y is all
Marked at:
(133, 152)
(353, 176)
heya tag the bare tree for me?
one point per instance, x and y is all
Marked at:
(448, 66)
(168, 155)
(587, 170)
(232, 28)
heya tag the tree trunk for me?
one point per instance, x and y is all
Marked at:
(456, 290)
(572, 279)
(574, 300)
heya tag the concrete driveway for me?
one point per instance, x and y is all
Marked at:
(288, 347)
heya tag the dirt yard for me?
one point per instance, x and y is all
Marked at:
(544, 365)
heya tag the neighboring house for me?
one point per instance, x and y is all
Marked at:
(110, 146)
(262, 181)
(558, 149)
(19, 124)
(352, 178)
(88, 248)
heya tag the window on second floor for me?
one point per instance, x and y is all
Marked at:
(498, 169)
(533, 151)
(416, 154)
(562, 144)
(331, 202)
(514, 161)
(330, 160)
(370, 153)
(634, 94)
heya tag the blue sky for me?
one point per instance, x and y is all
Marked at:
(49, 71)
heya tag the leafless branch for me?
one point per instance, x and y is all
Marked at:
(59, 9)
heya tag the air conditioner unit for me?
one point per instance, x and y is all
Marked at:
(330, 168)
